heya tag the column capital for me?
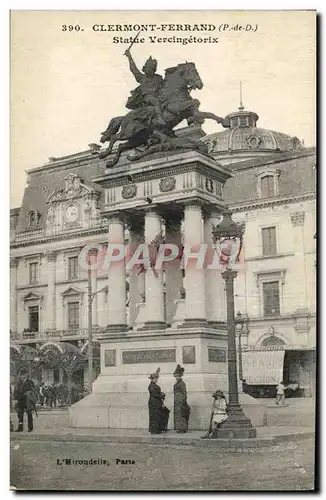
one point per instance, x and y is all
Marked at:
(229, 275)
(115, 218)
(193, 206)
(14, 262)
(152, 211)
(211, 212)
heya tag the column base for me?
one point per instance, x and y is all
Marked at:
(116, 328)
(237, 426)
(194, 323)
(153, 325)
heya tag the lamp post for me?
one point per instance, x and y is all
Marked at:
(229, 236)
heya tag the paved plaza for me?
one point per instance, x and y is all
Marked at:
(169, 461)
(37, 465)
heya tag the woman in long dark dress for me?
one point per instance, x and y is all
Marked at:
(158, 413)
(181, 408)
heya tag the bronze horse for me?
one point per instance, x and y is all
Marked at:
(140, 126)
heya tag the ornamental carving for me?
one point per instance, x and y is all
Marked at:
(253, 141)
(209, 185)
(129, 191)
(74, 188)
(297, 218)
(167, 184)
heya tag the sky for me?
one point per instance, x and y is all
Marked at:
(66, 86)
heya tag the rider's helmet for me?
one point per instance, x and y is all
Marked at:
(150, 66)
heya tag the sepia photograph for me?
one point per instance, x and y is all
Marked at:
(163, 250)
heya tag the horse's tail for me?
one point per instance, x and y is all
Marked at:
(112, 128)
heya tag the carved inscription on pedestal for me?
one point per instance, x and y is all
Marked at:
(188, 355)
(149, 356)
(216, 355)
(110, 357)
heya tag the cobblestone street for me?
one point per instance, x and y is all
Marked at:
(288, 466)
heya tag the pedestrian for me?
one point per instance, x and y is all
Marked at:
(280, 393)
(158, 416)
(218, 415)
(245, 387)
(181, 408)
(42, 394)
(25, 396)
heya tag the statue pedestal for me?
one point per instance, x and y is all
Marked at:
(120, 394)
(165, 188)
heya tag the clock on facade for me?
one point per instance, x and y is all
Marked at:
(71, 213)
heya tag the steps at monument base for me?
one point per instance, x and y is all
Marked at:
(130, 411)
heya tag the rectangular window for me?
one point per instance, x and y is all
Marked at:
(72, 268)
(73, 315)
(33, 318)
(269, 240)
(271, 294)
(33, 272)
(267, 186)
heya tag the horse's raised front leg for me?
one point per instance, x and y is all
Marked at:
(108, 151)
(206, 115)
(121, 148)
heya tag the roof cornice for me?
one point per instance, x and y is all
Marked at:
(61, 237)
(280, 200)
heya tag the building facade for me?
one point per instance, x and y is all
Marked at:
(272, 191)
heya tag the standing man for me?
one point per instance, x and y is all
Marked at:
(26, 397)
(42, 394)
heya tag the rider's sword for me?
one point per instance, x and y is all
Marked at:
(134, 40)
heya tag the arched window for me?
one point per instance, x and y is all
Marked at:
(34, 219)
(267, 186)
(268, 183)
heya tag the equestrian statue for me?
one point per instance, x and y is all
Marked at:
(156, 106)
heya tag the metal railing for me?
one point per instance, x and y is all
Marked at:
(80, 333)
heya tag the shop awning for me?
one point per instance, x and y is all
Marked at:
(263, 367)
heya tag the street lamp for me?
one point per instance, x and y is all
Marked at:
(229, 236)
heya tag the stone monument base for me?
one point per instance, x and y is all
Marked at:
(120, 396)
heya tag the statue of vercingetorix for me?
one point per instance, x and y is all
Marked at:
(150, 83)
(156, 107)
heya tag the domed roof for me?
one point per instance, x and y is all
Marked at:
(241, 134)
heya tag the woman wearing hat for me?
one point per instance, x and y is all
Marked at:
(219, 413)
(181, 408)
(158, 413)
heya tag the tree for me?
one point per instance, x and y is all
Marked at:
(65, 356)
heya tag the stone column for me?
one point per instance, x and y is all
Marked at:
(194, 281)
(214, 286)
(95, 297)
(116, 279)
(51, 299)
(136, 280)
(173, 273)
(299, 292)
(13, 294)
(154, 311)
